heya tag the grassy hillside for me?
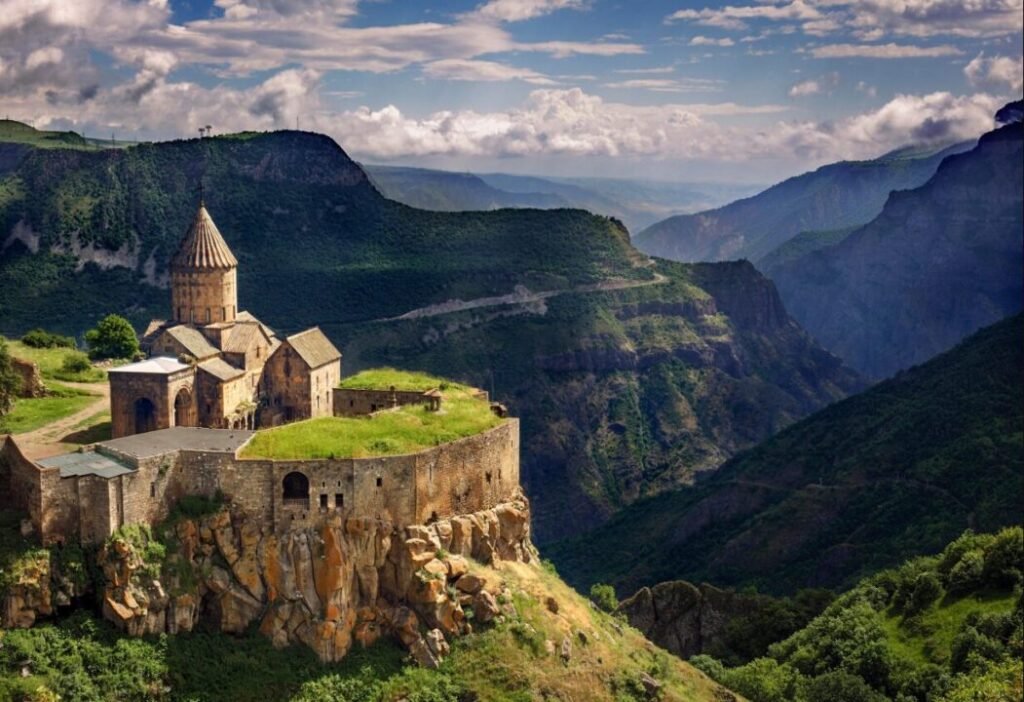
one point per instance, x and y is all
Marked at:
(518, 658)
(946, 628)
(898, 470)
(629, 377)
(939, 262)
(833, 197)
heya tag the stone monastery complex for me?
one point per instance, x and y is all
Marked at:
(215, 377)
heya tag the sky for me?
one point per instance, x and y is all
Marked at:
(738, 91)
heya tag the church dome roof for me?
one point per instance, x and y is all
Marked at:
(203, 245)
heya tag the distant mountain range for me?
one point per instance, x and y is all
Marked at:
(833, 197)
(894, 472)
(629, 378)
(635, 202)
(939, 262)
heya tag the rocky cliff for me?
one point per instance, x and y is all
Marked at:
(347, 581)
(938, 263)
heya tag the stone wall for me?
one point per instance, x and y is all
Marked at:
(357, 403)
(285, 382)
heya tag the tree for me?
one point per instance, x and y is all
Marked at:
(113, 337)
(10, 381)
(604, 597)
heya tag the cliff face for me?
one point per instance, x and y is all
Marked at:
(347, 581)
(623, 394)
(832, 197)
(938, 263)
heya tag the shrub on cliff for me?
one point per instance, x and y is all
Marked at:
(42, 339)
(10, 382)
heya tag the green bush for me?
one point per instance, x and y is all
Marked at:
(927, 589)
(604, 597)
(113, 337)
(75, 362)
(42, 339)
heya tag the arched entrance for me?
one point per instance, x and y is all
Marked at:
(296, 489)
(145, 415)
(183, 414)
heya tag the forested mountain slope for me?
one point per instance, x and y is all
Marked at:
(896, 471)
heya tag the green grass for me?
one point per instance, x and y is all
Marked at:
(404, 430)
(20, 133)
(31, 413)
(401, 380)
(928, 638)
(50, 362)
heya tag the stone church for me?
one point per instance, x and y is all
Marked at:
(214, 366)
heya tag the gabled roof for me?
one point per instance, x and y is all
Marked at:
(314, 347)
(221, 370)
(193, 341)
(245, 316)
(203, 246)
(240, 337)
(161, 365)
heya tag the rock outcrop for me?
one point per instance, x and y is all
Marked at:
(347, 581)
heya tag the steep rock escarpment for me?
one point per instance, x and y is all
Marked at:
(351, 580)
(937, 264)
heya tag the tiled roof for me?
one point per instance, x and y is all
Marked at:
(161, 365)
(239, 338)
(314, 347)
(203, 246)
(220, 369)
(245, 316)
(193, 341)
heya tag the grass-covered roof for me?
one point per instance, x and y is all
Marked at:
(403, 430)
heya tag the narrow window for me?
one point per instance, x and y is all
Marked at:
(207, 314)
(488, 476)
(380, 481)
(339, 500)
(223, 313)
(323, 501)
(152, 489)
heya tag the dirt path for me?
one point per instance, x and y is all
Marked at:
(521, 296)
(46, 440)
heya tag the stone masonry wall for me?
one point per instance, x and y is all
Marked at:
(356, 403)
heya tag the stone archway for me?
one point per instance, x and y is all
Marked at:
(296, 489)
(144, 415)
(184, 414)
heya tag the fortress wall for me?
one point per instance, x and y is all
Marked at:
(469, 475)
(98, 502)
(357, 403)
(20, 481)
(244, 483)
(148, 494)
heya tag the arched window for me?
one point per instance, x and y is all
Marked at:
(296, 489)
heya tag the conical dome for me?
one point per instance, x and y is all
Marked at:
(203, 246)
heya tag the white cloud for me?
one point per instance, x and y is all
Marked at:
(571, 122)
(869, 90)
(708, 41)
(883, 51)
(477, 70)
(327, 9)
(645, 71)
(1000, 72)
(519, 10)
(805, 88)
(669, 85)
(870, 20)
(815, 86)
